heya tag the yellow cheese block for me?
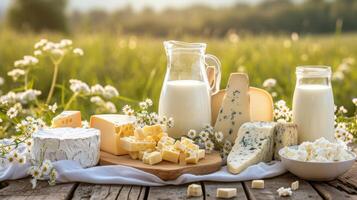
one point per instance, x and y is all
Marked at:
(112, 128)
(68, 118)
(131, 143)
(152, 158)
(154, 131)
(170, 154)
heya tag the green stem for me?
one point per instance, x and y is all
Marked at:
(26, 78)
(54, 80)
(70, 101)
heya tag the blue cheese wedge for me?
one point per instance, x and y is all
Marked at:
(286, 134)
(234, 110)
(254, 144)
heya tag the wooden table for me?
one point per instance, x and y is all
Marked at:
(339, 189)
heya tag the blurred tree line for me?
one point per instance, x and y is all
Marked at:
(310, 16)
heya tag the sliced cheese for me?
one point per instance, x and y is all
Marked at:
(254, 144)
(286, 134)
(226, 193)
(258, 184)
(68, 118)
(194, 190)
(131, 143)
(261, 105)
(234, 110)
(112, 127)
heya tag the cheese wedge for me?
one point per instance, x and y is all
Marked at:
(254, 144)
(286, 134)
(112, 128)
(68, 118)
(234, 110)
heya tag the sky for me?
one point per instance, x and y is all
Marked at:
(158, 5)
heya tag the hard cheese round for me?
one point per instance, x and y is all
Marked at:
(78, 144)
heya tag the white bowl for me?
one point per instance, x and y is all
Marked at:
(317, 171)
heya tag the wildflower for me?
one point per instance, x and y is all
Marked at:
(191, 133)
(354, 101)
(79, 87)
(12, 112)
(209, 146)
(65, 43)
(343, 67)
(53, 107)
(343, 135)
(97, 100)
(2, 81)
(269, 83)
(22, 159)
(30, 60)
(57, 52)
(143, 105)
(110, 107)
(148, 102)
(204, 135)
(85, 124)
(41, 43)
(35, 172)
(78, 52)
(37, 53)
(97, 89)
(28, 96)
(218, 136)
(48, 46)
(342, 110)
(16, 73)
(338, 76)
(53, 176)
(110, 92)
(10, 158)
(294, 36)
(126, 109)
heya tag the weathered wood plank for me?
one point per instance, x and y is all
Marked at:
(305, 191)
(22, 189)
(211, 189)
(170, 192)
(329, 192)
(87, 191)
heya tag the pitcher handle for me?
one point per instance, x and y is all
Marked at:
(212, 60)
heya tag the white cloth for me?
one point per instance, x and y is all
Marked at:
(71, 171)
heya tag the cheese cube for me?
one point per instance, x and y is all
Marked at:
(182, 158)
(258, 184)
(130, 143)
(192, 157)
(154, 131)
(67, 118)
(134, 155)
(201, 154)
(179, 146)
(165, 141)
(194, 190)
(152, 158)
(295, 185)
(170, 154)
(112, 128)
(141, 153)
(226, 193)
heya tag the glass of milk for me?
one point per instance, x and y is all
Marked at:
(313, 105)
(186, 93)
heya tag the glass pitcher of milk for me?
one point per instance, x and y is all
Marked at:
(313, 105)
(186, 93)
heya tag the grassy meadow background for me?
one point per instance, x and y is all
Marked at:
(125, 49)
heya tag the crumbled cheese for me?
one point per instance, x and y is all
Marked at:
(284, 192)
(320, 150)
(295, 185)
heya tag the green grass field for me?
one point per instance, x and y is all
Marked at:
(136, 66)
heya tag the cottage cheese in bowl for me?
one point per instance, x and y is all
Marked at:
(320, 160)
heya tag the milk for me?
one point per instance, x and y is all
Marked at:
(188, 102)
(313, 112)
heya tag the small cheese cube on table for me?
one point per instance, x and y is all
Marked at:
(152, 158)
(295, 185)
(68, 118)
(258, 184)
(113, 127)
(226, 193)
(194, 190)
(130, 143)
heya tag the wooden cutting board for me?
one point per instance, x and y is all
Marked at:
(166, 170)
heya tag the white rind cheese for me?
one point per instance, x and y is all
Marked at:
(78, 144)
(286, 134)
(254, 144)
(234, 110)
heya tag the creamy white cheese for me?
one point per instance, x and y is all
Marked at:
(78, 144)
(320, 150)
